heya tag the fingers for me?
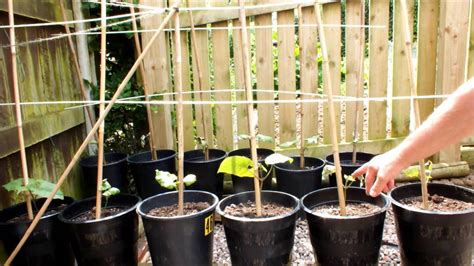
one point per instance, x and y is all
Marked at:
(378, 186)
(360, 171)
(370, 177)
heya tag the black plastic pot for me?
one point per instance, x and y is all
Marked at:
(143, 170)
(47, 245)
(241, 184)
(434, 238)
(108, 241)
(299, 182)
(347, 168)
(345, 240)
(260, 241)
(115, 170)
(206, 171)
(182, 240)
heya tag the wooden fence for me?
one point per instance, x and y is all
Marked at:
(443, 52)
(52, 132)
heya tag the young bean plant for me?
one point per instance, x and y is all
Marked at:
(108, 191)
(170, 181)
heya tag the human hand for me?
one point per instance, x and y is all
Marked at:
(380, 173)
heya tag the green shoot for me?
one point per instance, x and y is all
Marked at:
(170, 181)
(259, 137)
(293, 143)
(108, 191)
(201, 143)
(242, 166)
(414, 171)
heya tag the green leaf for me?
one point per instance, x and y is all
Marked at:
(42, 188)
(328, 170)
(15, 185)
(237, 165)
(288, 144)
(276, 158)
(264, 138)
(349, 178)
(166, 179)
(412, 171)
(243, 137)
(312, 140)
(105, 185)
(189, 179)
(111, 192)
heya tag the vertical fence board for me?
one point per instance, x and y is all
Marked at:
(264, 55)
(427, 44)
(354, 77)
(452, 55)
(286, 75)
(157, 66)
(187, 109)
(242, 124)
(332, 15)
(309, 72)
(470, 68)
(221, 57)
(401, 84)
(378, 67)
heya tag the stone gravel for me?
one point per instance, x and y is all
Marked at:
(303, 251)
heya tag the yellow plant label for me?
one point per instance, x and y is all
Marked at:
(208, 224)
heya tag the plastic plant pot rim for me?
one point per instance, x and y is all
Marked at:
(182, 217)
(26, 222)
(256, 219)
(302, 170)
(405, 207)
(307, 210)
(94, 164)
(347, 165)
(187, 160)
(128, 210)
(151, 161)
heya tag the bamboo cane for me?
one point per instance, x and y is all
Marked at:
(332, 115)
(302, 57)
(77, 67)
(19, 120)
(103, 68)
(413, 90)
(197, 59)
(179, 112)
(360, 86)
(249, 96)
(153, 145)
(90, 135)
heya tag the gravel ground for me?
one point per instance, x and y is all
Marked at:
(303, 251)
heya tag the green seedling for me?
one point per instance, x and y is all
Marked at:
(348, 179)
(170, 181)
(303, 143)
(201, 143)
(37, 188)
(108, 191)
(259, 137)
(414, 171)
(242, 166)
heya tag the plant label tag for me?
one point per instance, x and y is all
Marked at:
(208, 224)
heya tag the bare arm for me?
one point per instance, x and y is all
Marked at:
(448, 124)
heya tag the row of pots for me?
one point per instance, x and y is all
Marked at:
(289, 179)
(426, 238)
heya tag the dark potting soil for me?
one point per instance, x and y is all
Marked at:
(249, 210)
(24, 217)
(172, 210)
(90, 215)
(352, 209)
(438, 203)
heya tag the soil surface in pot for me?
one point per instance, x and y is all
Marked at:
(90, 215)
(352, 209)
(24, 217)
(249, 210)
(172, 210)
(438, 203)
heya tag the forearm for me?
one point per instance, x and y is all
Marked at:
(448, 124)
